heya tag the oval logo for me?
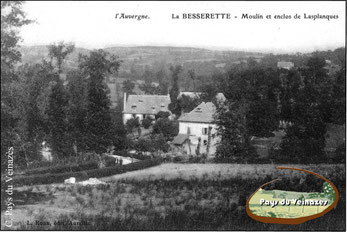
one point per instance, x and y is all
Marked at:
(288, 207)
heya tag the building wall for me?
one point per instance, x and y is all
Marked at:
(196, 132)
(126, 117)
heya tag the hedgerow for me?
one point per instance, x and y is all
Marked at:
(49, 178)
(63, 168)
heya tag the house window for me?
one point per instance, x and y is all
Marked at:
(204, 131)
(188, 130)
(133, 107)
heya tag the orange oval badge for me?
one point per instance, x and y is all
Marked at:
(286, 207)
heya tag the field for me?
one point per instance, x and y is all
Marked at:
(170, 197)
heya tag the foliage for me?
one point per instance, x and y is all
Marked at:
(132, 124)
(162, 114)
(208, 92)
(340, 154)
(165, 127)
(77, 109)
(63, 168)
(49, 178)
(150, 88)
(12, 19)
(138, 156)
(235, 142)
(128, 87)
(174, 106)
(99, 127)
(338, 101)
(191, 202)
(147, 122)
(120, 140)
(305, 140)
(58, 127)
(187, 103)
(59, 52)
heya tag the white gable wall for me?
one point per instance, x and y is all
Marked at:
(196, 131)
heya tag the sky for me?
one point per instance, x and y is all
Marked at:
(93, 25)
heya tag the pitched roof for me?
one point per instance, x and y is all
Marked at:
(202, 113)
(189, 94)
(146, 104)
(285, 64)
(180, 139)
(219, 96)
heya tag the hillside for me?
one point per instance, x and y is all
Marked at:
(136, 60)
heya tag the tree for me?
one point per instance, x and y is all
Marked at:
(305, 141)
(59, 138)
(161, 77)
(187, 103)
(251, 109)
(120, 141)
(12, 19)
(191, 79)
(99, 126)
(174, 106)
(59, 52)
(58, 127)
(166, 128)
(162, 114)
(338, 103)
(208, 92)
(131, 124)
(147, 122)
(128, 87)
(232, 127)
(31, 99)
(77, 108)
(149, 88)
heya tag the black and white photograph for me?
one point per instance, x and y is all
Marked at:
(173, 115)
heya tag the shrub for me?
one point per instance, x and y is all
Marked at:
(340, 154)
(138, 156)
(166, 128)
(109, 171)
(147, 122)
(49, 178)
(63, 168)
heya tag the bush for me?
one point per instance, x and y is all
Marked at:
(97, 173)
(63, 168)
(162, 114)
(166, 127)
(50, 178)
(138, 156)
(340, 154)
(147, 122)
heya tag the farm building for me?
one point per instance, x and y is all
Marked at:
(197, 129)
(141, 106)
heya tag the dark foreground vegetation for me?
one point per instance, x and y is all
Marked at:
(207, 202)
(85, 171)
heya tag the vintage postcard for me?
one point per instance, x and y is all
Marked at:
(173, 115)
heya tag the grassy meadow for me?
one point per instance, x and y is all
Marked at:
(171, 197)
